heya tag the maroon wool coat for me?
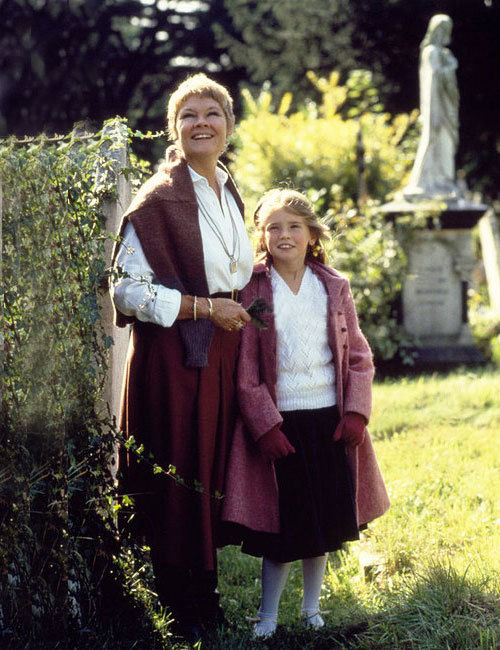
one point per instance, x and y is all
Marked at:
(251, 491)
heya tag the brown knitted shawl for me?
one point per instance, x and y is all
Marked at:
(164, 214)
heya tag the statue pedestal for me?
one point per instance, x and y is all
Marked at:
(434, 300)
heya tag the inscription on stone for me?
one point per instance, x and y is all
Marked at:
(432, 295)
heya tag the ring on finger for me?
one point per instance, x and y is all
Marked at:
(239, 324)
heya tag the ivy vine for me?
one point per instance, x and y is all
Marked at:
(56, 518)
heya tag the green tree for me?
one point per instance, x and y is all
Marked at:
(280, 41)
(61, 62)
(313, 149)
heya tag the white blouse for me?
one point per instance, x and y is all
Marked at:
(134, 293)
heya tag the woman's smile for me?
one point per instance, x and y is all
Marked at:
(202, 127)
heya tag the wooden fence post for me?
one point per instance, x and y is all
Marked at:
(116, 152)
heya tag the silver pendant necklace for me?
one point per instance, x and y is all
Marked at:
(233, 256)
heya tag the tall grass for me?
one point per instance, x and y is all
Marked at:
(436, 583)
(437, 440)
(458, 398)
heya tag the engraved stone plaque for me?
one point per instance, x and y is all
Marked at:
(432, 295)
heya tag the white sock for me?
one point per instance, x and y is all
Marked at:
(274, 577)
(313, 572)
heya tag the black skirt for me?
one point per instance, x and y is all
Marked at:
(316, 498)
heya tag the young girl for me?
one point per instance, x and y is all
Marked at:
(302, 475)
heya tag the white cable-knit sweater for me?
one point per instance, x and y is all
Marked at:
(306, 374)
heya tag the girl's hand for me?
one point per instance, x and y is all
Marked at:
(228, 314)
(274, 444)
(351, 429)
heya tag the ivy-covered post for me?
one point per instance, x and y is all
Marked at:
(114, 154)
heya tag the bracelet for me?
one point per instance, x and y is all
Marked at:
(210, 308)
(194, 307)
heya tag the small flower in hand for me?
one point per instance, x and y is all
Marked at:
(257, 309)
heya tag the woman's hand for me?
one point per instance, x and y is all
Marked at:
(351, 429)
(274, 444)
(228, 314)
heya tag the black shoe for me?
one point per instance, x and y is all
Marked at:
(213, 620)
(189, 632)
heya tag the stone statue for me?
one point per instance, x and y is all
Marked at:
(433, 173)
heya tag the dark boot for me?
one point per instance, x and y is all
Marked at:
(192, 597)
(173, 589)
(206, 599)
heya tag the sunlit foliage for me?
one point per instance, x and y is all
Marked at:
(348, 155)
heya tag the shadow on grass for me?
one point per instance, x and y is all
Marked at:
(437, 609)
(394, 369)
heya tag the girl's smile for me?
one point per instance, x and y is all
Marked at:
(287, 237)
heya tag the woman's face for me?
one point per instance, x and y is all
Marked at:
(446, 33)
(442, 33)
(287, 237)
(201, 128)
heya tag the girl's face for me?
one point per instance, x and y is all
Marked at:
(287, 237)
(202, 128)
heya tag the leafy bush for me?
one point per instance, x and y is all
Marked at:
(316, 147)
(339, 152)
(57, 533)
(485, 326)
(368, 250)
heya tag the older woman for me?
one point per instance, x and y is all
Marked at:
(182, 256)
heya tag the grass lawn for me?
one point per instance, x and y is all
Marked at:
(434, 578)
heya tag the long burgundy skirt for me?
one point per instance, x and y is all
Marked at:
(184, 417)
